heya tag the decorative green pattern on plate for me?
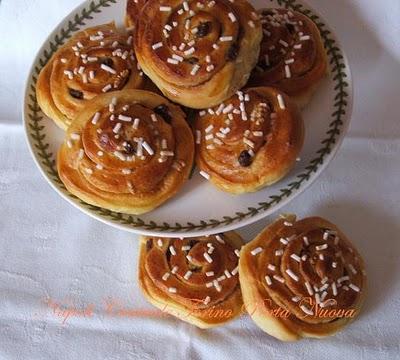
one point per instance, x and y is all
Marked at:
(46, 158)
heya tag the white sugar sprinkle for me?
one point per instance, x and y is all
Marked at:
(165, 8)
(232, 17)
(352, 269)
(166, 276)
(205, 175)
(187, 275)
(209, 273)
(268, 280)
(172, 290)
(226, 38)
(256, 251)
(219, 239)
(108, 68)
(207, 300)
(271, 267)
(334, 289)
(304, 38)
(157, 45)
(292, 275)
(198, 136)
(321, 247)
(278, 252)
(309, 288)
(281, 102)
(106, 88)
(283, 43)
(288, 73)
(117, 128)
(283, 241)
(124, 118)
(81, 153)
(279, 278)
(207, 257)
(195, 69)
(354, 287)
(172, 250)
(295, 257)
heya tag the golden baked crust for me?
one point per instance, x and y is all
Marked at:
(198, 52)
(133, 9)
(76, 73)
(176, 277)
(292, 55)
(250, 141)
(308, 272)
(127, 151)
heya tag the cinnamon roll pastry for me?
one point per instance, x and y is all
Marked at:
(94, 61)
(198, 52)
(301, 279)
(292, 55)
(249, 141)
(127, 151)
(133, 9)
(194, 279)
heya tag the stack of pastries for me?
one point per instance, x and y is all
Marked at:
(122, 96)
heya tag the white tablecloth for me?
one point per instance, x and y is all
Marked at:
(48, 249)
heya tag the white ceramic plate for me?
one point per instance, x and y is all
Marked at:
(199, 208)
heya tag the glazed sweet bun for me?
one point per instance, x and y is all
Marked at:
(133, 9)
(292, 56)
(302, 279)
(127, 151)
(94, 61)
(194, 279)
(198, 53)
(249, 141)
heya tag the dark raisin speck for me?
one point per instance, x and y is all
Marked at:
(76, 94)
(232, 52)
(244, 158)
(203, 29)
(163, 111)
(192, 60)
(149, 244)
(129, 147)
(107, 61)
(290, 28)
(267, 12)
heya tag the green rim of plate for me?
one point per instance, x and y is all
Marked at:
(47, 160)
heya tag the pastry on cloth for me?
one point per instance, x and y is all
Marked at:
(198, 53)
(292, 55)
(194, 279)
(249, 141)
(302, 278)
(127, 151)
(94, 61)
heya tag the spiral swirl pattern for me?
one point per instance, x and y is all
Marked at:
(292, 56)
(193, 276)
(128, 150)
(192, 49)
(309, 269)
(249, 141)
(95, 61)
